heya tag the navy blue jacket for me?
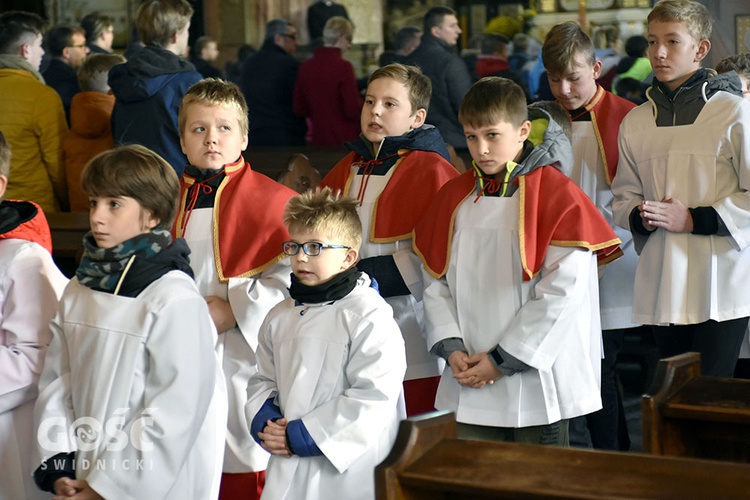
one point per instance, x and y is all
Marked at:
(148, 91)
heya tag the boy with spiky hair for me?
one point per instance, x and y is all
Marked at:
(572, 70)
(682, 190)
(509, 251)
(394, 170)
(231, 217)
(326, 400)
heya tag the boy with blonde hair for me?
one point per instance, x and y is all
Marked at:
(394, 170)
(90, 130)
(325, 401)
(30, 286)
(572, 70)
(682, 190)
(131, 367)
(509, 251)
(231, 218)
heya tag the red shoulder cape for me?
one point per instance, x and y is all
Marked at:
(553, 211)
(607, 111)
(416, 179)
(248, 227)
(35, 230)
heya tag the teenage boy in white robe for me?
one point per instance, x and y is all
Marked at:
(682, 190)
(511, 299)
(327, 399)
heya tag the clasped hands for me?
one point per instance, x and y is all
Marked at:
(474, 371)
(669, 214)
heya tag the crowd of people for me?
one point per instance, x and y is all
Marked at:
(225, 336)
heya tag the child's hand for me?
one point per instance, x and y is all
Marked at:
(273, 438)
(481, 372)
(67, 488)
(669, 214)
(458, 361)
(221, 313)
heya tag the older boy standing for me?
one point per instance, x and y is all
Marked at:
(572, 70)
(682, 190)
(394, 170)
(149, 87)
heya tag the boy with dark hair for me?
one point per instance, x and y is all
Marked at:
(30, 286)
(394, 170)
(66, 46)
(148, 88)
(131, 359)
(31, 114)
(326, 401)
(740, 64)
(572, 71)
(509, 250)
(682, 190)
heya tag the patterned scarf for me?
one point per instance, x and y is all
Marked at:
(104, 268)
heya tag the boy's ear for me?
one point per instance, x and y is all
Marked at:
(524, 131)
(419, 118)
(24, 50)
(597, 69)
(352, 256)
(3, 185)
(704, 46)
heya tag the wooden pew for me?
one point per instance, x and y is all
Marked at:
(689, 415)
(429, 462)
(67, 230)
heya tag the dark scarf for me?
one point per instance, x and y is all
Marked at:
(15, 213)
(133, 264)
(334, 289)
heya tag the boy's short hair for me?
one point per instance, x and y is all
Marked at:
(215, 92)
(139, 173)
(335, 28)
(636, 46)
(492, 43)
(322, 210)
(738, 62)
(562, 44)
(492, 100)
(17, 28)
(59, 37)
(94, 24)
(405, 35)
(4, 156)
(434, 17)
(558, 113)
(695, 16)
(203, 42)
(418, 85)
(93, 73)
(158, 20)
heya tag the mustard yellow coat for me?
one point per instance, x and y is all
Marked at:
(33, 121)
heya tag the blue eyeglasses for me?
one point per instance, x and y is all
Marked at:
(311, 248)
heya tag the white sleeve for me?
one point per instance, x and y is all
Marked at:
(345, 427)
(410, 268)
(262, 384)
(627, 189)
(29, 295)
(544, 323)
(441, 317)
(252, 298)
(179, 386)
(734, 210)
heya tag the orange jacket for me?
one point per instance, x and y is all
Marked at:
(90, 133)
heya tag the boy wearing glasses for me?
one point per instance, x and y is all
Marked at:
(326, 399)
(231, 217)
